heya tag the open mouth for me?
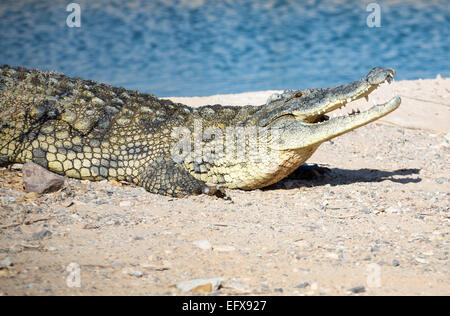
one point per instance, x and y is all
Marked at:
(347, 105)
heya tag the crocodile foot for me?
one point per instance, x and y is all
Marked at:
(309, 172)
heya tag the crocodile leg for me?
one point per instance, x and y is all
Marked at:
(166, 177)
(4, 161)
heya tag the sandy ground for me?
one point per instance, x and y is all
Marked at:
(378, 222)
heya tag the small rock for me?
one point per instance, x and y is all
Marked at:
(201, 285)
(392, 210)
(395, 263)
(278, 290)
(5, 263)
(40, 180)
(91, 226)
(17, 166)
(42, 234)
(375, 248)
(423, 261)
(358, 289)
(332, 255)
(125, 204)
(203, 244)
(302, 285)
(442, 180)
(137, 274)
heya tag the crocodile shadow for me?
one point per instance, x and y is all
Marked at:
(314, 175)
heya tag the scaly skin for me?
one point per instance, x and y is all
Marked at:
(93, 131)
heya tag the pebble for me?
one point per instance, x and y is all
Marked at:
(137, 274)
(392, 210)
(395, 263)
(203, 244)
(42, 234)
(125, 204)
(332, 255)
(196, 284)
(442, 180)
(302, 285)
(17, 166)
(358, 289)
(278, 290)
(5, 263)
(420, 260)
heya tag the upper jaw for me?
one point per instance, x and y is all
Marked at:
(338, 97)
(311, 105)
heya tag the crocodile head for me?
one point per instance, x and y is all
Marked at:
(300, 116)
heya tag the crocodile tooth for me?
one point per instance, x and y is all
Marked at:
(367, 98)
(349, 100)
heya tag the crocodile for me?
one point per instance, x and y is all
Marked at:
(88, 130)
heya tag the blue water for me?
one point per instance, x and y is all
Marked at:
(201, 47)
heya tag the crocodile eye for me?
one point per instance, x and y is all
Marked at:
(299, 94)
